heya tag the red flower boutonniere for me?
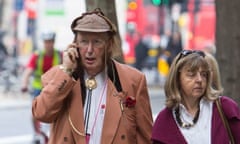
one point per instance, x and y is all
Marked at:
(130, 102)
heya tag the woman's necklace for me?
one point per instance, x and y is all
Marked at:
(186, 125)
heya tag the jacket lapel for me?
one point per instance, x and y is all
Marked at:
(112, 114)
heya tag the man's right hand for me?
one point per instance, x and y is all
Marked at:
(70, 56)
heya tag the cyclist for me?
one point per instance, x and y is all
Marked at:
(39, 62)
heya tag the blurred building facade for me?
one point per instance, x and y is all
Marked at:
(24, 20)
(194, 19)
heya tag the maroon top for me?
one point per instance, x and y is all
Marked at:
(166, 131)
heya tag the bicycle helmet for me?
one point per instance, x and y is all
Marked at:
(49, 35)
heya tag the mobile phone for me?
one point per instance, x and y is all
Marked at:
(78, 72)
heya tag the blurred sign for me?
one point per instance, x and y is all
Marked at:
(31, 8)
(54, 7)
(18, 5)
(176, 8)
(131, 15)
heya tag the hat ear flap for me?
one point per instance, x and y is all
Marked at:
(98, 10)
(113, 28)
(74, 23)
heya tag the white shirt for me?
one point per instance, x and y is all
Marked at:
(98, 106)
(200, 133)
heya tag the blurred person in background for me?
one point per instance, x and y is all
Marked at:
(91, 98)
(191, 112)
(141, 53)
(174, 46)
(163, 67)
(209, 48)
(40, 62)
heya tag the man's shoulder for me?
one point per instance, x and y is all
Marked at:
(126, 68)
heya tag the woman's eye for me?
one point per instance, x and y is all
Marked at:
(191, 74)
(204, 74)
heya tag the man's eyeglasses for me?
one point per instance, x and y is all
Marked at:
(96, 43)
(184, 53)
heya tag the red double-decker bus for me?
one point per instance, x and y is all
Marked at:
(142, 19)
(197, 26)
(200, 24)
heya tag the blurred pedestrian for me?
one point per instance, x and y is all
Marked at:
(141, 53)
(91, 98)
(163, 67)
(39, 62)
(191, 112)
(174, 46)
(209, 48)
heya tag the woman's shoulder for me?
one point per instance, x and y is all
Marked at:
(163, 116)
(228, 102)
(230, 107)
(165, 127)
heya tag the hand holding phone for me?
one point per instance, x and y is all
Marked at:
(71, 57)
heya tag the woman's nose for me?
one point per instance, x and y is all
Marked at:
(199, 77)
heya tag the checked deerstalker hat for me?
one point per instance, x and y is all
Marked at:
(94, 21)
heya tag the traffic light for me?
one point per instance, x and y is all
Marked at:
(156, 2)
(160, 2)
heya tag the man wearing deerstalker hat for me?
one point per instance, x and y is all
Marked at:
(91, 98)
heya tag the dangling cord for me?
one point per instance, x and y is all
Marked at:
(88, 109)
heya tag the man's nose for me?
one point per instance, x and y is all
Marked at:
(90, 47)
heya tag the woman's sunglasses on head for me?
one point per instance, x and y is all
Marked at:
(184, 53)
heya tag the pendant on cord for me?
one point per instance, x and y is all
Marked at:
(91, 83)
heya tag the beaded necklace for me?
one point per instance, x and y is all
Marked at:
(186, 125)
